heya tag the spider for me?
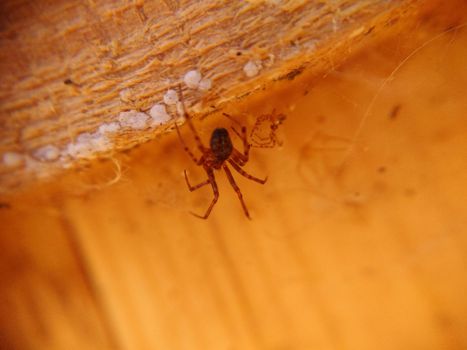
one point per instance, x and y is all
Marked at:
(269, 141)
(215, 157)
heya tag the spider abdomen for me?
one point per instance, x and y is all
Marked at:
(221, 144)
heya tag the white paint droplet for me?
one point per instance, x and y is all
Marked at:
(47, 153)
(12, 159)
(192, 79)
(171, 97)
(251, 68)
(159, 114)
(87, 144)
(78, 150)
(100, 142)
(109, 128)
(133, 119)
(205, 84)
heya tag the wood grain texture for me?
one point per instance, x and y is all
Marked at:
(370, 253)
(67, 67)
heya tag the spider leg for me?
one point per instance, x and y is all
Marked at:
(258, 122)
(185, 147)
(243, 137)
(193, 188)
(213, 183)
(246, 145)
(238, 158)
(237, 190)
(237, 133)
(232, 119)
(245, 174)
(189, 122)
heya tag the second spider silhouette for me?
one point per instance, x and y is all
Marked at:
(215, 157)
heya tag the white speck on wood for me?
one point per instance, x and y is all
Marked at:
(205, 84)
(108, 128)
(47, 153)
(171, 97)
(192, 79)
(133, 119)
(87, 144)
(159, 114)
(13, 159)
(251, 68)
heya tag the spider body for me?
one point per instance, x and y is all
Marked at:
(221, 146)
(217, 156)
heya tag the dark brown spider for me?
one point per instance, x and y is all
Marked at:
(262, 140)
(215, 157)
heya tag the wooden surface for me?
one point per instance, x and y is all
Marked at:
(69, 67)
(360, 248)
